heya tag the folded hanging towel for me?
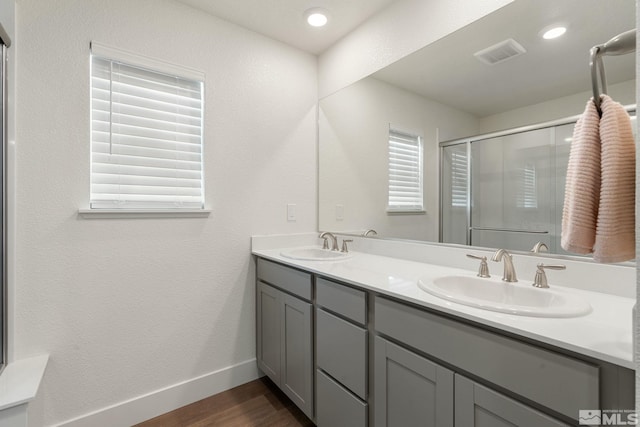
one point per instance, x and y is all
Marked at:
(615, 231)
(582, 189)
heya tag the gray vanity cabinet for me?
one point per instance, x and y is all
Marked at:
(410, 390)
(527, 373)
(479, 406)
(341, 355)
(285, 331)
(353, 358)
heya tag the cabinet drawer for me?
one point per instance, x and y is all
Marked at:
(341, 351)
(558, 382)
(346, 301)
(336, 407)
(289, 279)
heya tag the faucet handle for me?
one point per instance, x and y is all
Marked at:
(344, 245)
(540, 280)
(483, 271)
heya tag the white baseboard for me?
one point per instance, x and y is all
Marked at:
(158, 402)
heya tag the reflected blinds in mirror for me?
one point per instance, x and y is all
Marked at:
(527, 187)
(405, 172)
(459, 178)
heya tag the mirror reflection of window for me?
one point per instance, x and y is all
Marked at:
(527, 189)
(459, 179)
(405, 172)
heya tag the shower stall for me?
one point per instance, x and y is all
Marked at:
(506, 189)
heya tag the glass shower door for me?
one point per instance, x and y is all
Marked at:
(455, 194)
(513, 190)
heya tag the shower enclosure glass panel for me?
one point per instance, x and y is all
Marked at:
(563, 137)
(512, 190)
(455, 198)
(506, 191)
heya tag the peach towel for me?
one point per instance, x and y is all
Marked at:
(582, 189)
(599, 208)
(615, 233)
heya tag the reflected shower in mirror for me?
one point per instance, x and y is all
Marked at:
(506, 190)
(443, 93)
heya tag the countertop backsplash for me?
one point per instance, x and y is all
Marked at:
(614, 279)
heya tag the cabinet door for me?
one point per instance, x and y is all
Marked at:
(410, 390)
(268, 307)
(478, 406)
(297, 356)
(336, 406)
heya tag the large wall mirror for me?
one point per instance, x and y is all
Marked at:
(443, 92)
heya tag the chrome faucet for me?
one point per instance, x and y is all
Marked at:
(539, 247)
(370, 232)
(509, 271)
(334, 240)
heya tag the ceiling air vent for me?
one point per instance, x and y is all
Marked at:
(500, 52)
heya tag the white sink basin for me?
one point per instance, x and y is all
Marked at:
(513, 298)
(314, 254)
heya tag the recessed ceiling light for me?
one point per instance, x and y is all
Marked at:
(317, 17)
(554, 32)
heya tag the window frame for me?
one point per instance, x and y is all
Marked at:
(141, 62)
(412, 137)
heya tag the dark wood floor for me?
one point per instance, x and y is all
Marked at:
(257, 403)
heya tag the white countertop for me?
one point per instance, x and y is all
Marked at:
(604, 334)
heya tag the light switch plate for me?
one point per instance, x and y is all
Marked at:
(291, 212)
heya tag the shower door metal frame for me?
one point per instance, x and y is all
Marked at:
(3, 212)
(5, 42)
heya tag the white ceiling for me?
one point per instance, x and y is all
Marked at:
(283, 20)
(446, 71)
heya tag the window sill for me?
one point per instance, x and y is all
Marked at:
(405, 212)
(20, 381)
(143, 213)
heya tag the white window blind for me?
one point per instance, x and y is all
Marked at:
(459, 179)
(146, 137)
(405, 172)
(527, 188)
